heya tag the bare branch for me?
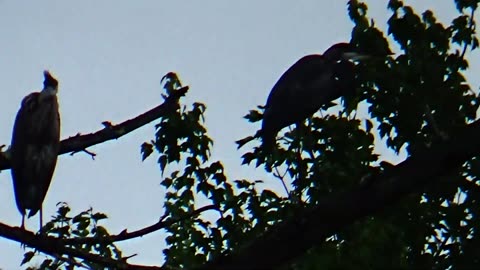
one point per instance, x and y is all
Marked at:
(281, 177)
(79, 142)
(124, 235)
(90, 153)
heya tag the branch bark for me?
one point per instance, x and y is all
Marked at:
(54, 247)
(124, 235)
(81, 142)
(58, 247)
(311, 227)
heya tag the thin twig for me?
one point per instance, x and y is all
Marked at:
(282, 180)
(91, 154)
(471, 26)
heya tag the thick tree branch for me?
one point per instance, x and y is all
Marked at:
(54, 247)
(311, 227)
(81, 142)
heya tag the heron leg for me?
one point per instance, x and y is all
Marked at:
(23, 222)
(41, 217)
(22, 226)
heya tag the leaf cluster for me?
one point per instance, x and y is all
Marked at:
(65, 226)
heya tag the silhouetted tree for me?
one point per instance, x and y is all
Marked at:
(346, 207)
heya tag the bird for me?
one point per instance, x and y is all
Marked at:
(311, 83)
(34, 147)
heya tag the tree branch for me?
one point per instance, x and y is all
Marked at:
(54, 246)
(124, 235)
(81, 142)
(311, 227)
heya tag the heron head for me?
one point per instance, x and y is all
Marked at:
(50, 84)
(348, 51)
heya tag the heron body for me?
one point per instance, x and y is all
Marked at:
(312, 82)
(35, 146)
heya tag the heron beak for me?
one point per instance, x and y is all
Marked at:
(354, 56)
(50, 84)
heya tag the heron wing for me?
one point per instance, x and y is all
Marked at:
(19, 145)
(42, 171)
(293, 81)
(299, 93)
(35, 145)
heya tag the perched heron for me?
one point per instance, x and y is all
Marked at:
(312, 82)
(35, 146)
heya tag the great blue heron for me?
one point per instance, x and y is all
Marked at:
(312, 82)
(35, 146)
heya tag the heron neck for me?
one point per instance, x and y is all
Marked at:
(49, 91)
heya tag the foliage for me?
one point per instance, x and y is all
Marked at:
(65, 226)
(181, 142)
(413, 99)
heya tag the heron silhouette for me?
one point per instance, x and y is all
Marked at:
(311, 83)
(34, 148)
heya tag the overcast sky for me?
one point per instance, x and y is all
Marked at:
(109, 57)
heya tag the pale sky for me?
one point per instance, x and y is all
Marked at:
(109, 57)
